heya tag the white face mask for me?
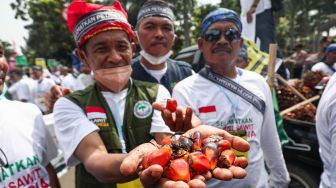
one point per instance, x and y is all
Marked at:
(155, 60)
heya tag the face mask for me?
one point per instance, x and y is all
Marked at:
(115, 79)
(155, 60)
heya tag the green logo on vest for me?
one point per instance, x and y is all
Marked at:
(142, 109)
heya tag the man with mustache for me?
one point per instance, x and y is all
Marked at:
(26, 147)
(155, 34)
(97, 126)
(234, 99)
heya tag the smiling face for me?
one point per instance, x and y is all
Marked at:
(220, 53)
(156, 35)
(107, 50)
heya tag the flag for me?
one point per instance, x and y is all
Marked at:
(21, 61)
(94, 112)
(207, 112)
(278, 120)
(40, 62)
(52, 63)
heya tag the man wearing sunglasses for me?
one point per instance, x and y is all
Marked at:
(234, 99)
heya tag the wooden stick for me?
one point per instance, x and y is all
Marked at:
(299, 105)
(295, 91)
(271, 65)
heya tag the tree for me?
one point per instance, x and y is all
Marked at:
(49, 36)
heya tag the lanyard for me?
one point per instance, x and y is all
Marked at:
(234, 87)
(4, 91)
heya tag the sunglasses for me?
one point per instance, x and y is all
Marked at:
(214, 35)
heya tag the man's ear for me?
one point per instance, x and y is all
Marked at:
(200, 42)
(82, 57)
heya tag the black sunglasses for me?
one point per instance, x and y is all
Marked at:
(214, 35)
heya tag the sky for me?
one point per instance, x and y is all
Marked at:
(13, 31)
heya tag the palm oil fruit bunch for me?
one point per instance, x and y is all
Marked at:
(182, 157)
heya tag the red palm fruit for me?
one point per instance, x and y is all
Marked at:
(223, 145)
(226, 159)
(178, 170)
(199, 162)
(197, 140)
(166, 141)
(241, 162)
(171, 105)
(211, 153)
(160, 157)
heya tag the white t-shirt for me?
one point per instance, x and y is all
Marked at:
(41, 90)
(218, 107)
(72, 124)
(321, 66)
(157, 74)
(69, 81)
(26, 143)
(83, 81)
(326, 133)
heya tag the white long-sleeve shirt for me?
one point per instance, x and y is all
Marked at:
(326, 133)
(216, 106)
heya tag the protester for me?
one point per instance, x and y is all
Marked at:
(114, 115)
(26, 147)
(85, 77)
(242, 60)
(326, 133)
(156, 36)
(258, 21)
(319, 56)
(42, 87)
(98, 125)
(216, 103)
(297, 61)
(328, 67)
(70, 79)
(20, 89)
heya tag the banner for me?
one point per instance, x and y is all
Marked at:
(40, 62)
(258, 60)
(21, 61)
(52, 63)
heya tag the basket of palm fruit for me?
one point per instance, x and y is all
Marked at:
(299, 99)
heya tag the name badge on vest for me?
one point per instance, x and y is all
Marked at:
(142, 109)
(97, 115)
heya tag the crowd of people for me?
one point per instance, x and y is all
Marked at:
(112, 112)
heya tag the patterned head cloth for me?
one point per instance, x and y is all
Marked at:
(221, 14)
(86, 20)
(331, 48)
(155, 8)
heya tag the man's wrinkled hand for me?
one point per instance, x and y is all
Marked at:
(152, 176)
(181, 120)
